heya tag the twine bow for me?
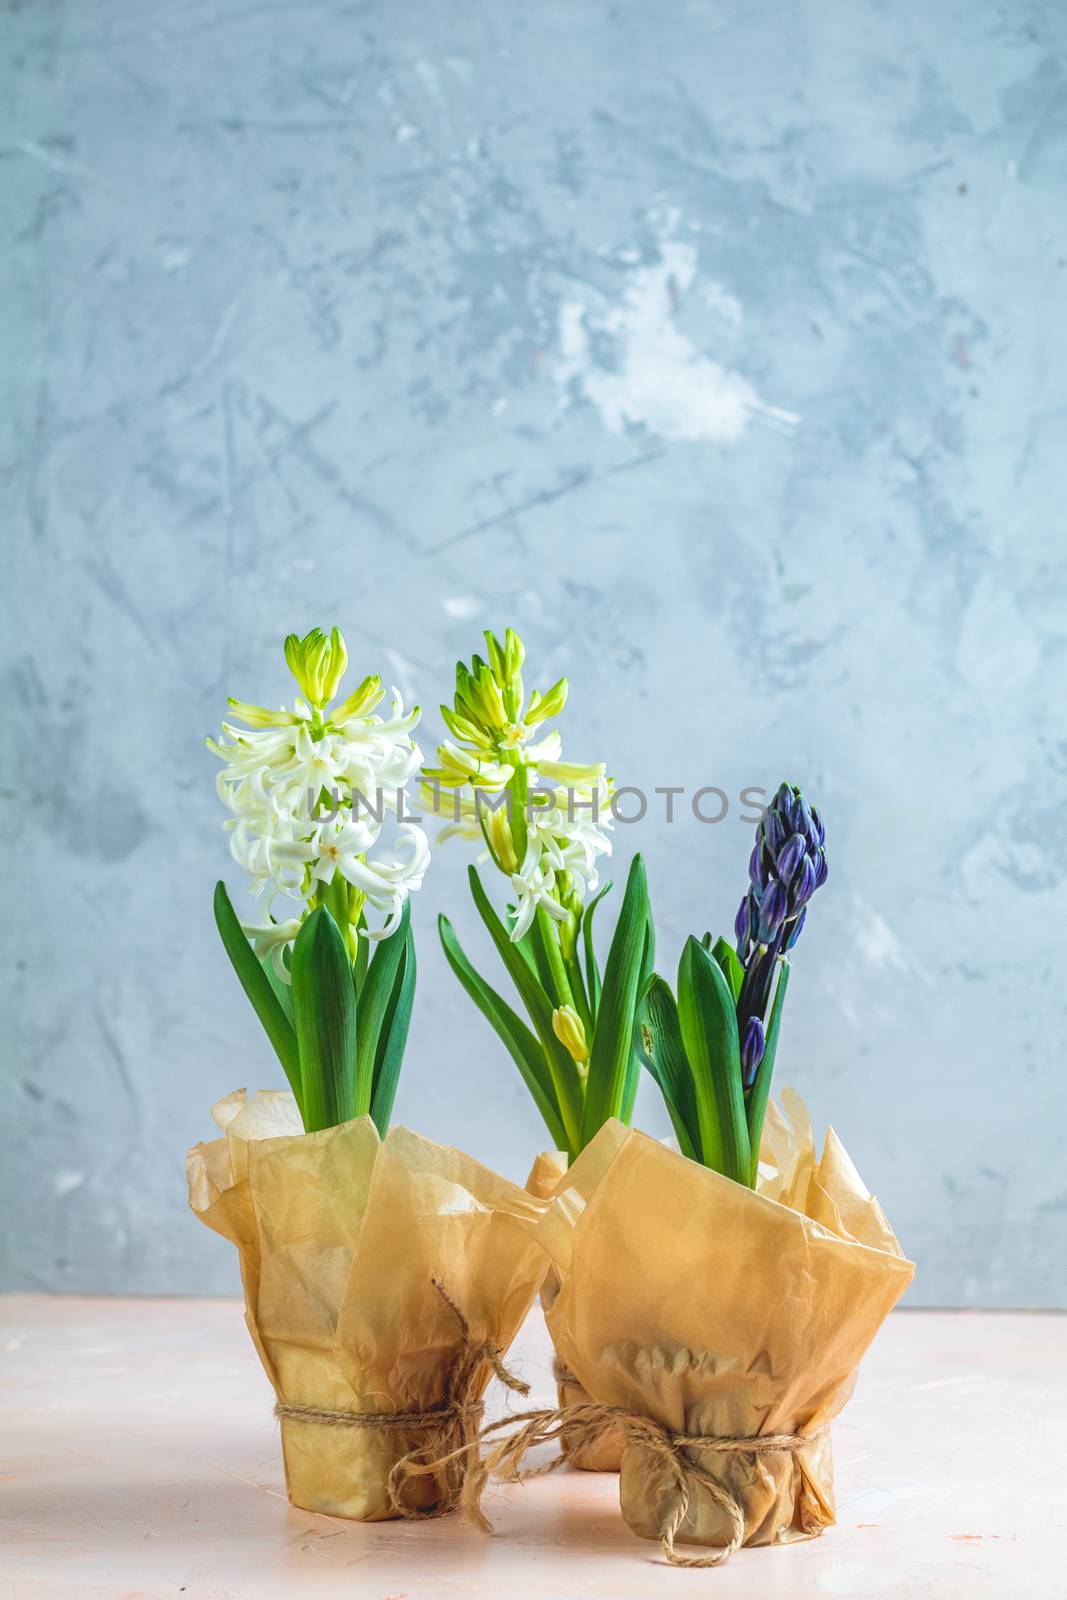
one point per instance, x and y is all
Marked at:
(586, 1424)
(452, 1425)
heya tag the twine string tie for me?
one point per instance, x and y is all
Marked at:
(585, 1424)
(452, 1424)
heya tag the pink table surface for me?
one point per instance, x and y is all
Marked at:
(139, 1460)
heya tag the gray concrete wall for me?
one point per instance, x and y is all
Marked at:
(718, 348)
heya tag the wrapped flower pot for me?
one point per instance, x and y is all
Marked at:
(720, 1299)
(382, 1274)
(713, 1302)
(721, 1315)
(381, 1279)
(544, 823)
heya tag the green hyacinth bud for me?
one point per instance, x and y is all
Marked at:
(514, 653)
(317, 663)
(461, 727)
(488, 699)
(569, 1030)
(496, 659)
(360, 702)
(547, 705)
(336, 664)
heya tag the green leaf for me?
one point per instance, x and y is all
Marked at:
(729, 965)
(709, 1034)
(516, 1037)
(648, 960)
(576, 980)
(324, 1005)
(259, 989)
(565, 1080)
(610, 1057)
(756, 1099)
(393, 1037)
(524, 945)
(592, 971)
(661, 1049)
(633, 1070)
(375, 999)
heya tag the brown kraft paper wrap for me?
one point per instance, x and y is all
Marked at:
(603, 1454)
(724, 1313)
(341, 1236)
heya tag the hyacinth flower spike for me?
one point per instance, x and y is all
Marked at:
(308, 788)
(545, 825)
(712, 1050)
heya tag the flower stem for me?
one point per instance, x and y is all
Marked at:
(577, 983)
(548, 943)
(520, 792)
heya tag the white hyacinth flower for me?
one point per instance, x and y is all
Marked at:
(533, 885)
(308, 790)
(270, 939)
(341, 847)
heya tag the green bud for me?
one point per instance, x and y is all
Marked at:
(490, 703)
(316, 660)
(359, 702)
(513, 699)
(572, 771)
(506, 663)
(462, 727)
(294, 654)
(338, 661)
(514, 653)
(260, 716)
(317, 663)
(548, 705)
(568, 1028)
(445, 777)
(496, 659)
(496, 830)
(466, 694)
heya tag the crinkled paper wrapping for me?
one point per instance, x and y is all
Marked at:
(340, 1235)
(599, 1455)
(721, 1311)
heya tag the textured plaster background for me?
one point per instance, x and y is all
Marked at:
(718, 347)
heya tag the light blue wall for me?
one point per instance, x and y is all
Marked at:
(718, 347)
